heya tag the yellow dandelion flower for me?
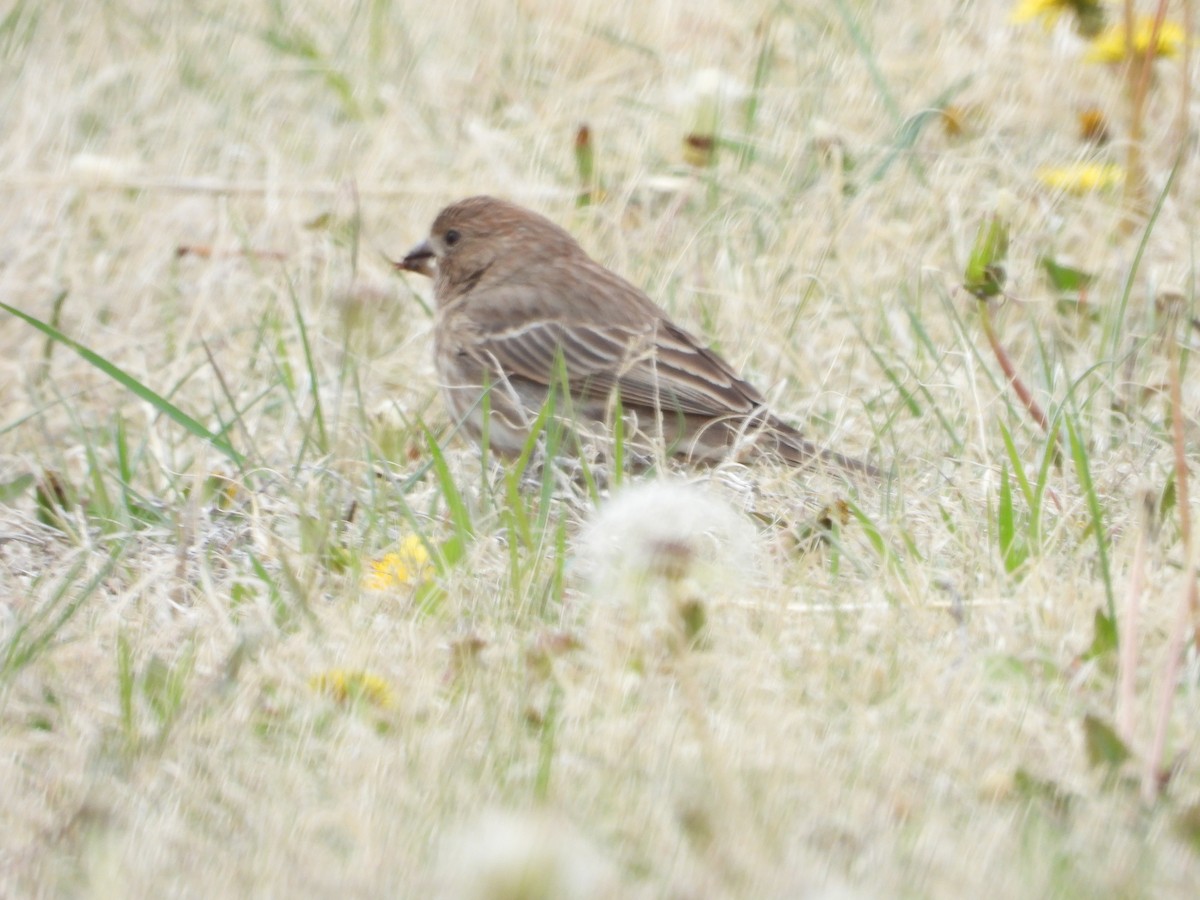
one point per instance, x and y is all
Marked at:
(1048, 11)
(1109, 45)
(224, 493)
(1089, 14)
(1082, 178)
(346, 686)
(407, 566)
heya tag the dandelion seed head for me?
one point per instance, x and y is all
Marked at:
(715, 85)
(97, 169)
(658, 557)
(667, 530)
(530, 856)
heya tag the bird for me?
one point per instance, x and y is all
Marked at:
(523, 312)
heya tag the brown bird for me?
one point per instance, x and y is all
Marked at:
(522, 307)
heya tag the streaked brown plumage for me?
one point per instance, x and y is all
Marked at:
(519, 302)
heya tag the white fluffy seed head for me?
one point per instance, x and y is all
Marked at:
(665, 549)
(523, 856)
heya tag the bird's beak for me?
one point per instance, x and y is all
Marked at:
(419, 259)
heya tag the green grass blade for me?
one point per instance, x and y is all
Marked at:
(1018, 469)
(131, 384)
(1049, 455)
(868, 57)
(460, 516)
(1118, 329)
(310, 365)
(29, 640)
(907, 397)
(1084, 474)
(762, 69)
(910, 131)
(1012, 552)
(125, 679)
(541, 785)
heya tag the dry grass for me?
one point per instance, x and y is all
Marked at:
(891, 713)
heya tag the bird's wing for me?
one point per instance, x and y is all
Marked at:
(655, 365)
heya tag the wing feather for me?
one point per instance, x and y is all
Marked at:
(609, 334)
(655, 366)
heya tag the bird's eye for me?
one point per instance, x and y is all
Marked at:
(451, 237)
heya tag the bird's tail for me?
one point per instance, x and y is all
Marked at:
(796, 449)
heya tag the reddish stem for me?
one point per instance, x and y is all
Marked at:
(1010, 371)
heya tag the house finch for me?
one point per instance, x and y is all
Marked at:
(521, 308)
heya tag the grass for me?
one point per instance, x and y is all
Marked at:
(896, 687)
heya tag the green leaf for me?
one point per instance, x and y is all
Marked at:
(1065, 278)
(1048, 792)
(1089, 17)
(11, 490)
(1104, 747)
(428, 597)
(1104, 636)
(1168, 499)
(1187, 826)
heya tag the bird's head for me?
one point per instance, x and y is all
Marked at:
(483, 237)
